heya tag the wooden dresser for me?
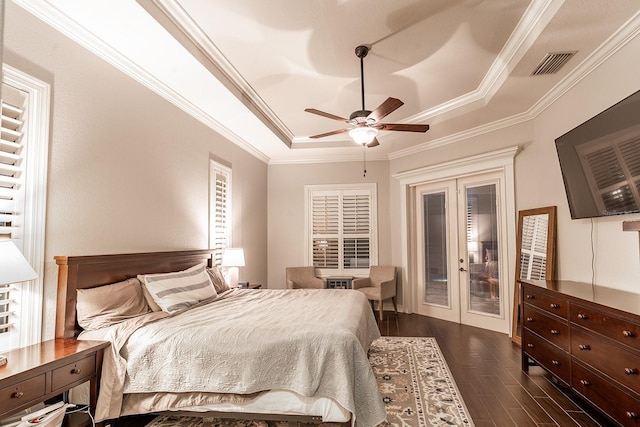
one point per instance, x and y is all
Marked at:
(588, 337)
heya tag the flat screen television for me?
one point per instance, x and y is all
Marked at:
(600, 162)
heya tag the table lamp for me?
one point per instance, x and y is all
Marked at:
(232, 258)
(14, 268)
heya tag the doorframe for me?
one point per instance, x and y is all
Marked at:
(499, 160)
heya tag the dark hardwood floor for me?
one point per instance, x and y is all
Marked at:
(486, 368)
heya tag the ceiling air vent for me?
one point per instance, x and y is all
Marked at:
(552, 62)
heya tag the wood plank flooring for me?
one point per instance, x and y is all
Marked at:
(486, 368)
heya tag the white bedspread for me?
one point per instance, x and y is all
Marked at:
(312, 342)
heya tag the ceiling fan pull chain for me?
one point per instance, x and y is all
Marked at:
(364, 148)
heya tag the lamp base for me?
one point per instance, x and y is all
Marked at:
(232, 277)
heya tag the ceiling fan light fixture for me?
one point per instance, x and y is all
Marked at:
(363, 135)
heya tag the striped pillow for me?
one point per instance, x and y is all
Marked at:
(180, 289)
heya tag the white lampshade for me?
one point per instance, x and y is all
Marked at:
(363, 134)
(14, 267)
(233, 257)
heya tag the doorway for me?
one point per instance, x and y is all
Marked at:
(458, 243)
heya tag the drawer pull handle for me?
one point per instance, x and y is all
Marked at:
(529, 319)
(631, 371)
(584, 347)
(531, 297)
(554, 305)
(582, 316)
(555, 332)
(17, 395)
(632, 415)
(585, 383)
(76, 371)
(555, 362)
(628, 334)
(530, 345)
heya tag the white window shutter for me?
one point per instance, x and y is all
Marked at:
(220, 210)
(11, 168)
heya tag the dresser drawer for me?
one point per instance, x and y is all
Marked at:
(547, 355)
(621, 406)
(83, 369)
(620, 330)
(557, 306)
(552, 328)
(610, 358)
(22, 393)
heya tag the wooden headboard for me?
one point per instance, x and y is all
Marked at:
(84, 272)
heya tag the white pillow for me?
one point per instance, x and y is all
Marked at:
(109, 304)
(180, 289)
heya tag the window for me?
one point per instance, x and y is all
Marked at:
(220, 210)
(341, 228)
(23, 173)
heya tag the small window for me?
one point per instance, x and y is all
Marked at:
(341, 228)
(220, 210)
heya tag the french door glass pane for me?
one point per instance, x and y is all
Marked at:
(435, 249)
(482, 249)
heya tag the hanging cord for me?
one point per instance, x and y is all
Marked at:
(364, 152)
(593, 263)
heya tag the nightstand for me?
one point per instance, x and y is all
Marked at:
(251, 286)
(42, 371)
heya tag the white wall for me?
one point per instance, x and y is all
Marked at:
(286, 209)
(539, 180)
(128, 171)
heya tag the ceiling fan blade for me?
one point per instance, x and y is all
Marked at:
(387, 107)
(373, 143)
(403, 127)
(335, 132)
(327, 115)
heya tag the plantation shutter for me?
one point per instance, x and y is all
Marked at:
(221, 211)
(325, 213)
(341, 227)
(533, 254)
(613, 173)
(356, 230)
(11, 184)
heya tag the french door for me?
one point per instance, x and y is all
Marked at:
(459, 255)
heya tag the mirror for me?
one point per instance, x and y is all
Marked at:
(535, 254)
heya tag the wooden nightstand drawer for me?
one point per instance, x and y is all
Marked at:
(547, 355)
(554, 329)
(557, 306)
(22, 393)
(622, 406)
(73, 372)
(623, 331)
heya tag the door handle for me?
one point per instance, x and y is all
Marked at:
(462, 269)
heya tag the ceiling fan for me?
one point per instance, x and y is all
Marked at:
(366, 124)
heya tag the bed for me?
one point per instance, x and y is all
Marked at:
(292, 355)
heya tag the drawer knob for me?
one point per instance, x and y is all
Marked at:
(76, 371)
(628, 334)
(631, 371)
(531, 296)
(584, 347)
(555, 362)
(554, 305)
(17, 395)
(529, 319)
(582, 316)
(632, 415)
(530, 345)
(585, 383)
(555, 332)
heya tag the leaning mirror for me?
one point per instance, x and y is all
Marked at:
(535, 254)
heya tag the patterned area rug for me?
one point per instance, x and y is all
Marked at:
(414, 381)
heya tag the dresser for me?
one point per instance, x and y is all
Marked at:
(587, 337)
